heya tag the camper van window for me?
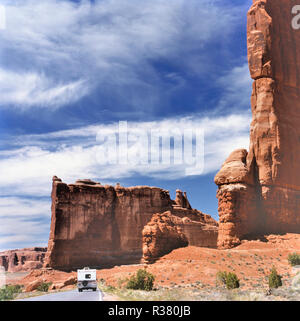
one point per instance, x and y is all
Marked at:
(87, 276)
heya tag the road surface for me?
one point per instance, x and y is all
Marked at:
(73, 295)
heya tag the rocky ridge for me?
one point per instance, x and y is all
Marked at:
(23, 259)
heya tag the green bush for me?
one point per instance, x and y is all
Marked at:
(44, 287)
(143, 280)
(9, 292)
(229, 279)
(221, 277)
(110, 288)
(294, 259)
(274, 279)
(232, 281)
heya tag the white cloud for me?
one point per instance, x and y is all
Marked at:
(237, 87)
(73, 153)
(25, 233)
(54, 53)
(63, 50)
(16, 206)
(31, 89)
(26, 171)
(24, 222)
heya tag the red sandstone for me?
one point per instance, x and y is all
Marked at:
(259, 192)
(23, 259)
(95, 225)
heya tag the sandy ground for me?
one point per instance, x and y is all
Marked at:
(251, 261)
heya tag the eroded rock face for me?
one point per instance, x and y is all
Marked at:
(237, 193)
(177, 228)
(97, 226)
(56, 279)
(181, 199)
(23, 259)
(267, 199)
(162, 235)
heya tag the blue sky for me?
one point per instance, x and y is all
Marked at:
(72, 69)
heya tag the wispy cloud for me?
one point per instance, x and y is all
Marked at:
(56, 53)
(31, 161)
(237, 87)
(31, 208)
(31, 90)
(64, 50)
(27, 166)
(23, 221)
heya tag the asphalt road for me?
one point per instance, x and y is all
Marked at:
(73, 295)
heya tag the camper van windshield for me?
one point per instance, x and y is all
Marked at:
(87, 276)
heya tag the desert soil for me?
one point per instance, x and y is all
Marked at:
(195, 267)
(251, 261)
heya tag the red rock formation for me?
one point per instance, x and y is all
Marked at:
(161, 235)
(177, 228)
(237, 193)
(261, 193)
(181, 200)
(57, 279)
(23, 259)
(96, 225)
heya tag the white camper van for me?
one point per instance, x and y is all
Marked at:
(86, 279)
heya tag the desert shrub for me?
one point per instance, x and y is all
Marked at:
(142, 280)
(274, 279)
(229, 279)
(44, 287)
(232, 281)
(221, 277)
(9, 292)
(294, 259)
(110, 288)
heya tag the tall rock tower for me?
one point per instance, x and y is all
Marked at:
(259, 190)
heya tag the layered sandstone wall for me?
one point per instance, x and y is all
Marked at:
(162, 235)
(275, 129)
(177, 228)
(268, 201)
(23, 259)
(96, 225)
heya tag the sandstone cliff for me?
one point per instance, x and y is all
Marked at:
(23, 259)
(170, 230)
(162, 235)
(259, 191)
(96, 225)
